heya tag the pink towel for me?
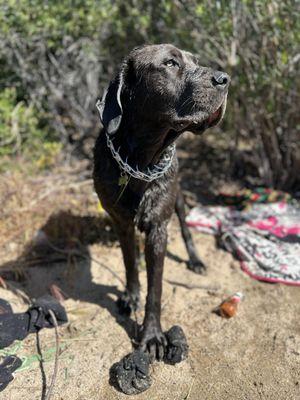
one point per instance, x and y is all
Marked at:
(266, 238)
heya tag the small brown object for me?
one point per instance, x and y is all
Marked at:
(228, 308)
(2, 283)
(57, 293)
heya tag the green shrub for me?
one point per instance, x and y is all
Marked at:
(21, 130)
(59, 56)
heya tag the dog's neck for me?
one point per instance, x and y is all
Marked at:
(142, 149)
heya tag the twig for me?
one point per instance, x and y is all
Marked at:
(56, 189)
(18, 293)
(190, 389)
(53, 379)
(105, 267)
(81, 254)
(188, 286)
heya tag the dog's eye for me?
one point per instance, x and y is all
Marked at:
(171, 63)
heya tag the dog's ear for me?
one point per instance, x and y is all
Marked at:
(110, 106)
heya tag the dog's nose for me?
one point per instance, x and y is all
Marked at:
(220, 79)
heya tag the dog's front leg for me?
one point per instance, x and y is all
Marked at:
(129, 301)
(153, 339)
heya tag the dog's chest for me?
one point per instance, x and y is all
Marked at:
(158, 201)
(145, 204)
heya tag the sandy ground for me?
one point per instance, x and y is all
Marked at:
(255, 355)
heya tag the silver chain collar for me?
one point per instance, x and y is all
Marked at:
(155, 172)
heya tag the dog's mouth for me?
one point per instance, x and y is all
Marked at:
(215, 117)
(212, 120)
(194, 125)
(198, 124)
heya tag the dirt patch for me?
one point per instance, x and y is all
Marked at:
(255, 355)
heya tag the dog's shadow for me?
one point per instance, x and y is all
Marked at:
(59, 255)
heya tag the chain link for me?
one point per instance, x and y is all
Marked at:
(155, 172)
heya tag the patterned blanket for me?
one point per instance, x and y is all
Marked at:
(265, 238)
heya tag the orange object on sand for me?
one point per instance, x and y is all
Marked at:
(228, 308)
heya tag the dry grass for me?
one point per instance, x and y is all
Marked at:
(50, 201)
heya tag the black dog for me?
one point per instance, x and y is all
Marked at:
(159, 92)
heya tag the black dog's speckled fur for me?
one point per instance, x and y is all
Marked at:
(159, 92)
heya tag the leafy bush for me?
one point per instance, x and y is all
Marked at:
(21, 130)
(59, 56)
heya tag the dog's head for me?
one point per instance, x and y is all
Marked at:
(166, 87)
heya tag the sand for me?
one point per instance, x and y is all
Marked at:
(255, 355)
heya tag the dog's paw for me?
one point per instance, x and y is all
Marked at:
(196, 266)
(177, 347)
(128, 303)
(132, 373)
(154, 343)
